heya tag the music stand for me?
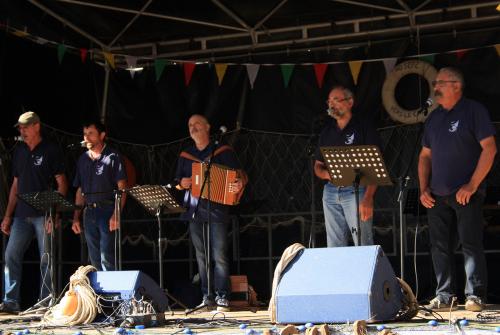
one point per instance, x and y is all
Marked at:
(355, 166)
(48, 202)
(157, 199)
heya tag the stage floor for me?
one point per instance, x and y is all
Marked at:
(257, 321)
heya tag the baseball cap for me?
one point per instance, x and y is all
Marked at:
(27, 118)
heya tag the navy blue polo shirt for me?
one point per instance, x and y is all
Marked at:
(453, 137)
(98, 178)
(35, 171)
(184, 170)
(356, 132)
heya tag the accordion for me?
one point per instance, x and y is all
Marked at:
(221, 177)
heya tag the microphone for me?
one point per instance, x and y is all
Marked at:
(428, 103)
(330, 111)
(73, 145)
(221, 131)
(18, 138)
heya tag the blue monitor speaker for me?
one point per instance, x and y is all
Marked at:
(127, 285)
(338, 285)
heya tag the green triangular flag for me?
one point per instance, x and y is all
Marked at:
(428, 58)
(286, 71)
(159, 67)
(61, 50)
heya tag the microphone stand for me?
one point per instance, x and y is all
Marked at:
(310, 153)
(208, 261)
(403, 181)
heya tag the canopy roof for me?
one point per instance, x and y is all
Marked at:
(259, 30)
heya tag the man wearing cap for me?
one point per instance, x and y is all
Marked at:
(100, 172)
(37, 165)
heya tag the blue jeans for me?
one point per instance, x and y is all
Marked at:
(21, 234)
(218, 252)
(339, 207)
(469, 226)
(100, 241)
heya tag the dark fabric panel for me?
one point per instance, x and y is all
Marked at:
(143, 110)
(31, 78)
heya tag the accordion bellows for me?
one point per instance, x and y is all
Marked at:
(221, 179)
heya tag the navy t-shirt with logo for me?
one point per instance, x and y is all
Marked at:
(98, 178)
(453, 137)
(219, 212)
(35, 172)
(356, 132)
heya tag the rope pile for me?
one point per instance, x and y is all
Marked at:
(79, 304)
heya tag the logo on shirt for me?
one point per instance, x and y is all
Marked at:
(99, 170)
(453, 126)
(38, 160)
(349, 139)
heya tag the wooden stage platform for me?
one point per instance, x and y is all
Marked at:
(258, 322)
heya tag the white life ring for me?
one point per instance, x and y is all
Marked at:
(392, 107)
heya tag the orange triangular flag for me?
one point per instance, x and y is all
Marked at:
(110, 59)
(497, 47)
(355, 67)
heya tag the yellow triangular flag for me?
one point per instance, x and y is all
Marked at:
(20, 33)
(220, 69)
(355, 68)
(110, 59)
(497, 46)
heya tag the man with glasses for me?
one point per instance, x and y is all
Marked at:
(339, 203)
(458, 149)
(37, 165)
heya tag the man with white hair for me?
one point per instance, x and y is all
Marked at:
(204, 150)
(458, 149)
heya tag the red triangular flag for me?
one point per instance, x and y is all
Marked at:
(460, 54)
(188, 72)
(83, 54)
(320, 70)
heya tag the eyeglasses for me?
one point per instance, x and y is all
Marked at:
(442, 82)
(337, 100)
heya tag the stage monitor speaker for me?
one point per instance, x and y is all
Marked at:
(128, 285)
(338, 285)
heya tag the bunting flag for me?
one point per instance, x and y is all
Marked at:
(220, 70)
(389, 64)
(83, 54)
(355, 67)
(41, 40)
(188, 72)
(20, 33)
(320, 70)
(286, 71)
(252, 70)
(110, 59)
(460, 54)
(61, 51)
(428, 58)
(131, 64)
(159, 67)
(497, 47)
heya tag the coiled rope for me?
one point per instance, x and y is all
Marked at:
(79, 305)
